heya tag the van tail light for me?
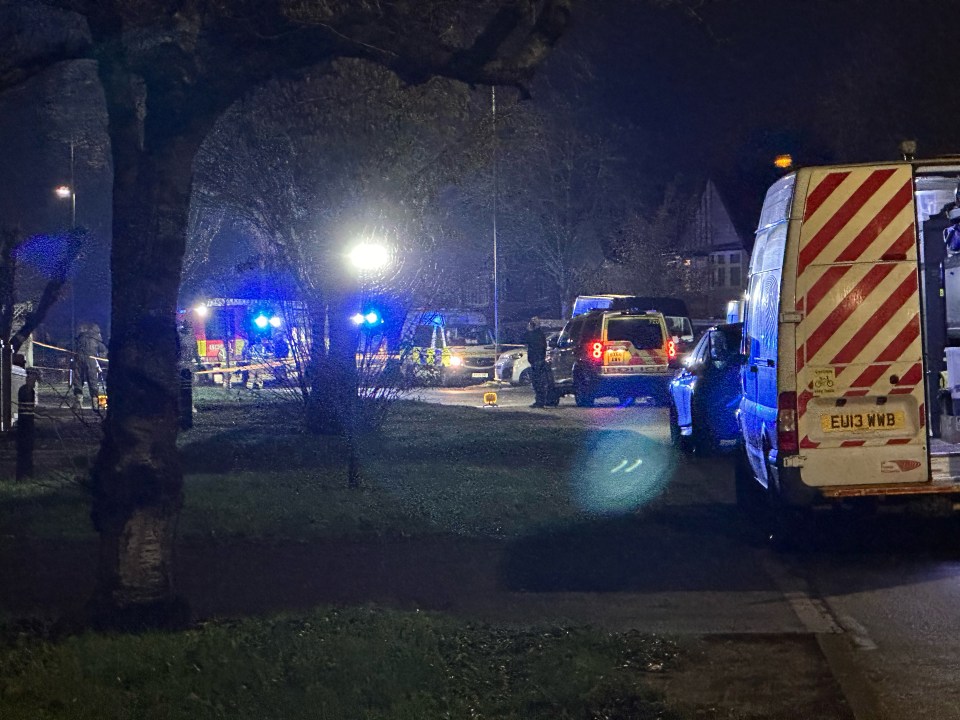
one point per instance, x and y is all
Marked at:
(595, 351)
(788, 442)
(671, 350)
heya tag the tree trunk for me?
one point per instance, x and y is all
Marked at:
(331, 407)
(137, 479)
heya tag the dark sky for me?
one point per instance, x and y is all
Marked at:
(714, 94)
(720, 93)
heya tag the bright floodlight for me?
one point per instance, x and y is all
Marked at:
(370, 256)
(201, 310)
(63, 191)
(275, 321)
(358, 319)
(260, 321)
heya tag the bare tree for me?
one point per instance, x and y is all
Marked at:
(646, 257)
(167, 76)
(348, 156)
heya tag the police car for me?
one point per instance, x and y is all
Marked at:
(623, 354)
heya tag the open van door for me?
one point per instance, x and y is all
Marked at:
(860, 403)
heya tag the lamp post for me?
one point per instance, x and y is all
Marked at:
(63, 192)
(496, 195)
(367, 258)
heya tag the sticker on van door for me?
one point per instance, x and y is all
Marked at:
(824, 381)
(892, 466)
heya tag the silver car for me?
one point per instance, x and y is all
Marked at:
(513, 366)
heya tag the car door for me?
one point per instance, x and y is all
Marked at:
(563, 354)
(726, 386)
(686, 381)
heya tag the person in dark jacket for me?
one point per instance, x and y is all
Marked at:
(537, 357)
(90, 351)
(26, 424)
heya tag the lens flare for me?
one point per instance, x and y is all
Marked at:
(621, 471)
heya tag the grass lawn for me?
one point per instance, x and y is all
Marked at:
(251, 474)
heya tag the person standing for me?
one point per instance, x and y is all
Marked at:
(26, 424)
(90, 350)
(537, 357)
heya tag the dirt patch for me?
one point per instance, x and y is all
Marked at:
(774, 677)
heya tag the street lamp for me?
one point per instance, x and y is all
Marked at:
(369, 257)
(63, 192)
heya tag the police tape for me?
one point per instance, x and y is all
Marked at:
(64, 350)
(234, 369)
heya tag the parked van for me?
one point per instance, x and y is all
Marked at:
(449, 347)
(848, 334)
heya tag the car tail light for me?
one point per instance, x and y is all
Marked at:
(671, 350)
(595, 351)
(787, 440)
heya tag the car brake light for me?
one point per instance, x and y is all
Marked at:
(595, 351)
(787, 441)
(671, 350)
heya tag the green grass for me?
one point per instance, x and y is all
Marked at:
(252, 474)
(352, 663)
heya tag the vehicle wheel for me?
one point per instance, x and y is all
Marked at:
(525, 378)
(676, 437)
(582, 393)
(662, 396)
(751, 495)
(702, 439)
(752, 503)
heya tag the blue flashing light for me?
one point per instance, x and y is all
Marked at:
(367, 319)
(275, 321)
(261, 321)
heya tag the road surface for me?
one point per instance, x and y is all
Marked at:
(880, 593)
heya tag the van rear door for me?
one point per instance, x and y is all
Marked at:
(860, 390)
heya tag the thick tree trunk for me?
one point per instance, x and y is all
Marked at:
(137, 480)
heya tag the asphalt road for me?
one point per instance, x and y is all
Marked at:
(879, 592)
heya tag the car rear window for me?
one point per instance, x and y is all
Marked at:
(644, 333)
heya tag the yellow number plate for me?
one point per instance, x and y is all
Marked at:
(858, 422)
(616, 356)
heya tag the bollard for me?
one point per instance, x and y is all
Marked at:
(186, 399)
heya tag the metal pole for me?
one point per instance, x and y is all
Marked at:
(496, 192)
(73, 225)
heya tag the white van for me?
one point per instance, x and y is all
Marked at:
(852, 313)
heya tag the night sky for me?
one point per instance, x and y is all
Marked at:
(713, 92)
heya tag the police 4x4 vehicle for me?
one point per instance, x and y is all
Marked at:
(623, 354)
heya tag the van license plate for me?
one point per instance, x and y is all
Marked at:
(863, 421)
(479, 375)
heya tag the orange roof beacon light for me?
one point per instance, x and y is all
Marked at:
(784, 162)
(908, 149)
(490, 399)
